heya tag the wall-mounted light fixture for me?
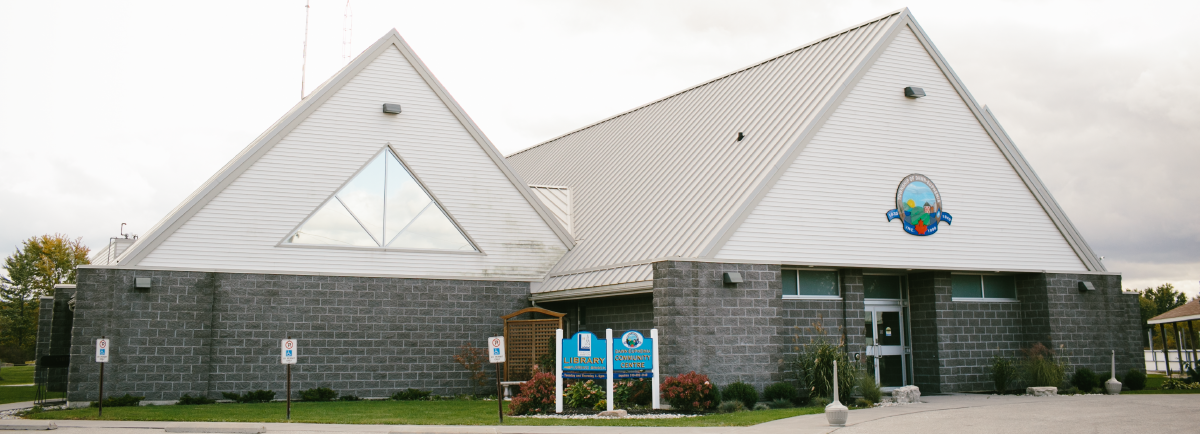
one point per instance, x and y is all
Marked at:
(914, 92)
(391, 108)
(740, 136)
(732, 277)
(1086, 287)
(141, 283)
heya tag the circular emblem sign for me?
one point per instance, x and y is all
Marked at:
(919, 206)
(632, 339)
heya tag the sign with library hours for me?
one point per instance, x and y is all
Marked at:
(496, 349)
(102, 350)
(288, 352)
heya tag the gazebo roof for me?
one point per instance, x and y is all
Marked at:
(1188, 312)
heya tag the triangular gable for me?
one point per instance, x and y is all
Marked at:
(741, 232)
(383, 205)
(394, 53)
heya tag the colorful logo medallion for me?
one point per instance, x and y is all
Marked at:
(632, 339)
(919, 206)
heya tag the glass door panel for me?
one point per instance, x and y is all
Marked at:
(885, 345)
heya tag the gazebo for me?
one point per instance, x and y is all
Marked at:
(1187, 313)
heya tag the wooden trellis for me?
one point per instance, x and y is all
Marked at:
(526, 339)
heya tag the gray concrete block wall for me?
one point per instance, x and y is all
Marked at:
(975, 332)
(930, 296)
(621, 313)
(207, 333)
(45, 322)
(1085, 328)
(727, 332)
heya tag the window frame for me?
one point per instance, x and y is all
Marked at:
(836, 273)
(903, 288)
(983, 289)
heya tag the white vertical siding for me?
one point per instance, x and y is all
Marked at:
(828, 207)
(240, 227)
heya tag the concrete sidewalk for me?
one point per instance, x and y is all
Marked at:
(950, 413)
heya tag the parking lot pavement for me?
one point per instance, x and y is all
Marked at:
(958, 413)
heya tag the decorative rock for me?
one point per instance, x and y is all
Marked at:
(1041, 391)
(614, 413)
(906, 395)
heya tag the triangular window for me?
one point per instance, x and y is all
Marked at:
(382, 206)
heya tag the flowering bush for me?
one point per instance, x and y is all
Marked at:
(583, 394)
(690, 392)
(628, 393)
(1175, 383)
(537, 396)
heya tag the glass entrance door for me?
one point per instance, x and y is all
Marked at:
(885, 345)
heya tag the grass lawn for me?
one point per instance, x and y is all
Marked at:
(16, 394)
(1154, 387)
(16, 375)
(393, 413)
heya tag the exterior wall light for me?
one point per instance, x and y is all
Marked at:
(1086, 287)
(740, 136)
(141, 283)
(914, 92)
(732, 277)
(391, 108)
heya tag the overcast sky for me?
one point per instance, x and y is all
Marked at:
(114, 112)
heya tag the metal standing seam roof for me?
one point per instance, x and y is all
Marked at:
(664, 179)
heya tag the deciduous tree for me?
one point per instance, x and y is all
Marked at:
(40, 263)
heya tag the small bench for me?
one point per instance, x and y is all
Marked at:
(508, 388)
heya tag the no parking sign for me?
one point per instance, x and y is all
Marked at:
(496, 349)
(288, 352)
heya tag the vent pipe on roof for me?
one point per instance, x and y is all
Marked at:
(740, 136)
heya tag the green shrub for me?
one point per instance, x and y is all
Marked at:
(120, 401)
(690, 392)
(1168, 384)
(411, 395)
(761, 406)
(1041, 368)
(814, 368)
(869, 389)
(781, 390)
(629, 393)
(782, 403)
(349, 398)
(1085, 379)
(583, 394)
(197, 400)
(820, 401)
(536, 396)
(1004, 371)
(255, 396)
(731, 407)
(740, 391)
(1135, 380)
(601, 405)
(1192, 375)
(864, 403)
(318, 394)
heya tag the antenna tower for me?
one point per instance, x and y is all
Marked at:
(304, 58)
(347, 33)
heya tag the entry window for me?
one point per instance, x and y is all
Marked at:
(810, 283)
(967, 287)
(887, 287)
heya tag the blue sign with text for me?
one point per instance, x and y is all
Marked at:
(584, 352)
(633, 352)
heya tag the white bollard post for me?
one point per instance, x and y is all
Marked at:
(608, 358)
(654, 382)
(835, 412)
(558, 363)
(1112, 386)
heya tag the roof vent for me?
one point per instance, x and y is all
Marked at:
(740, 136)
(914, 92)
(395, 108)
(1086, 287)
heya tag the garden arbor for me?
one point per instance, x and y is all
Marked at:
(528, 339)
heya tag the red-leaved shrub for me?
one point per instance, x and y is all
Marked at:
(689, 392)
(536, 396)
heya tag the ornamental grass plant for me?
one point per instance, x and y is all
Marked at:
(1041, 368)
(1004, 372)
(813, 366)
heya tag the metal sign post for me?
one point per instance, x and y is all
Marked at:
(288, 356)
(102, 352)
(496, 356)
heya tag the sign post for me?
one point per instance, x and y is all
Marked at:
(496, 356)
(102, 352)
(608, 368)
(289, 357)
(558, 370)
(654, 381)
